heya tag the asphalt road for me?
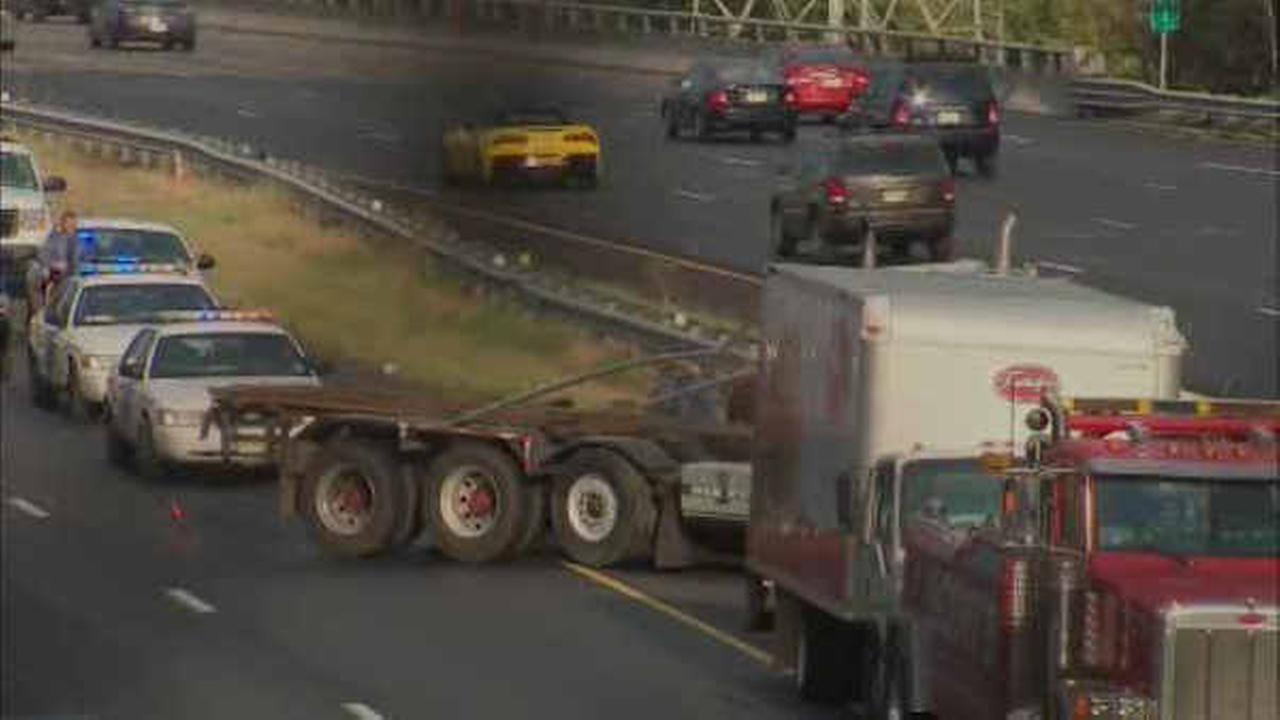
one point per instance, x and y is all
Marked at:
(114, 608)
(1168, 219)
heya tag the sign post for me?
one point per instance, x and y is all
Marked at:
(1166, 18)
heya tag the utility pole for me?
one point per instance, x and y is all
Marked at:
(1164, 60)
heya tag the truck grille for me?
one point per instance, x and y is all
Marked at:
(1220, 672)
(8, 223)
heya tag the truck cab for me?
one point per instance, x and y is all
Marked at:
(1130, 571)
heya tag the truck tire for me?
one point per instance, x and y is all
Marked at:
(478, 503)
(602, 509)
(826, 659)
(352, 496)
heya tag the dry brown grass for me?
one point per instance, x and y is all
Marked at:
(347, 298)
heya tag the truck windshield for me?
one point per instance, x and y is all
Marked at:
(1189, 517)
(16, 171)
(959, 493)
(227, 355)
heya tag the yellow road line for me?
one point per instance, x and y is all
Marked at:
(627, 591)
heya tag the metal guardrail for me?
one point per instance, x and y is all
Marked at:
(1106, 95)
(157, 148)
(578, 17)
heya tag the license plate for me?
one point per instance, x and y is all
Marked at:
(157, 25)
(895, 196)
(251, 447)
(757, 96)
(832, 83)
(948, 117)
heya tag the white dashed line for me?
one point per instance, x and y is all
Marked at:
(1269, 311)
(360, 711)
(1240, 169)
(189, 601)
(29, 508)
(1115, 223)
(740, 162)
(246, 113)
(1159, 187)
(1061, 267)
(1018, 139)
(695, 196)
(388, 138)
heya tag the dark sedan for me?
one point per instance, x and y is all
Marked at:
(730, 94)
(895, 185)
(953, 102)
(167, 22)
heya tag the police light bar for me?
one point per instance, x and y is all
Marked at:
(127, 267)
(186, 316)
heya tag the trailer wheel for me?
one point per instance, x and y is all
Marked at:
(602, 509)
(353, 496)
(825, 659)
(478, 503)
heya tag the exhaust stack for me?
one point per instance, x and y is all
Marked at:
(1004, 256)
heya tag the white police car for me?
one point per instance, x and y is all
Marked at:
(159, 395)
(76, 341)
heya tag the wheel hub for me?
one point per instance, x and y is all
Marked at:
(592, 508)
(469, 502)
(344, 502)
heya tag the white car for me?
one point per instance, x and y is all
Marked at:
(77, 340)
(158, 397)
(24, 202)
(118, 240)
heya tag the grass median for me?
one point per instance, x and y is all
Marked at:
(356, 302)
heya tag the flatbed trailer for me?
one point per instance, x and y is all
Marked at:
(370, 470)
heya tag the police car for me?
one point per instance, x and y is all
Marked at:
(158, 398)
(76, 341)
(101, 240)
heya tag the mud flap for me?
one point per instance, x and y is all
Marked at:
(288, 495)
(672, 548)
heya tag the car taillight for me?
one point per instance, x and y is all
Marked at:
(1015, 595)
(718, 101)
(993, 113)
(837, 192)
(509, 140)
(859, 80)
(901, 114)
(949, 190)
(584, 137)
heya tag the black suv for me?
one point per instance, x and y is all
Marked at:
(954, 102)
(895, 185)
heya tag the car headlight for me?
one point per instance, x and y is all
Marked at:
(33, 220)
(181, 418)
(97, 363)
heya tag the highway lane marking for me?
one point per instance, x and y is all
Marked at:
(1018, 139)
(1060, 267)
(29, 508)
(1269, 311)
(188, 600)
(360, 711)
(1240, 169)
(1115, 223)
(246, 112)
(695, 196)
(740, 162)
(632, 249)
(1158, 186)
(611, 583)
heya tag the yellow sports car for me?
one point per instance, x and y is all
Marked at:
(523, 144)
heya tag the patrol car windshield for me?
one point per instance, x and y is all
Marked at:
(227, 355)
(112, 304)
(16, 171)
(1226, 518)
(146, 246)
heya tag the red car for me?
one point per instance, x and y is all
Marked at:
(825, 78)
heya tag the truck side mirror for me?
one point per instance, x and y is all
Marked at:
(54, 184)
(205, 261)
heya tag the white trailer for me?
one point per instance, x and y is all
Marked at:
(866, 372)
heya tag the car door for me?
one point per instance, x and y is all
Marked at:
(129, 383)
(57, 350)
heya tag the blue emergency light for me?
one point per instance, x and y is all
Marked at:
(124, 266)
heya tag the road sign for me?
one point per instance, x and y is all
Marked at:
(1166, 16)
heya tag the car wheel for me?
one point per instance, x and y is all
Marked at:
(147, 459)
(77, 407)
(781, 246)
(353, 497)
(119, 451)
(986, 164)
(699, 127)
